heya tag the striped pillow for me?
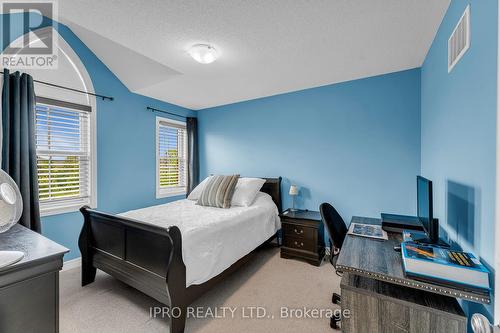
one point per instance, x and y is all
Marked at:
(218, 191)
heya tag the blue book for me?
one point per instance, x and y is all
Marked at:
(439, 265)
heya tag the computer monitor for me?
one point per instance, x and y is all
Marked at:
(424, 210)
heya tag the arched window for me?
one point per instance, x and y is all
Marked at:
(65, 132)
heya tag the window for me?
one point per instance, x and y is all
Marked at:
(171, 157)
(64, 144)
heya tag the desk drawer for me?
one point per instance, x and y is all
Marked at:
(300, 244)
(298, 231)
(380, 307)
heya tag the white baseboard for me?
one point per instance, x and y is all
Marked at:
(73, 263)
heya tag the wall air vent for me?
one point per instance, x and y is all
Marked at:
(459, 41)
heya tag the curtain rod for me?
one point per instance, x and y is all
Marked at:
(72, 89)
(163, 111)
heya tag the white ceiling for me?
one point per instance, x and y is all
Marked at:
(266, 47)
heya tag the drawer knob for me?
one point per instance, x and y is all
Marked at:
(299, 245)
(298, 232)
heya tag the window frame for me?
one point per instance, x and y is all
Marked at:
(167, 192)
(49, 208)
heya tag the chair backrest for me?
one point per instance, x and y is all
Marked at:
(335, 225)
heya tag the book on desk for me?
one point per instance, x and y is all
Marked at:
(367, 230)
(443, 266)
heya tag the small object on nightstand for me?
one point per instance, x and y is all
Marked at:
(294, 191)
(303, 236)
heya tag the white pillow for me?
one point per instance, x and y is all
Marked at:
(196, 192)
(246, 190)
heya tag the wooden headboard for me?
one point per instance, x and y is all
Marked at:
(272, 186)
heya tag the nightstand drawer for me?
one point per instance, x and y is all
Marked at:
(300, 244)
(295, 230)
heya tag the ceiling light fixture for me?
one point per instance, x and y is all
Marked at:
(203, 53)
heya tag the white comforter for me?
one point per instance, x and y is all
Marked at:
(214, 238)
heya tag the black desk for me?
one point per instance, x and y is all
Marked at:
(380, 297)
(29, 289)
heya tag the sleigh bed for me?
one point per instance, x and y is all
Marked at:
(149, 257)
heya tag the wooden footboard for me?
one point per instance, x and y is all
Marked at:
(144, 256)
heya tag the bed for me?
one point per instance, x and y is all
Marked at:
(144, 249)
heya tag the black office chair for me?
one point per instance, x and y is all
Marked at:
(337, 231)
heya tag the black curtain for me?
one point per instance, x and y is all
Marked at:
(193, 164)
(18, 147)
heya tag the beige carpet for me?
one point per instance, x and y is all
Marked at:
(107, 305)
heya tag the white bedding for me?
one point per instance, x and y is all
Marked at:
(214, 238)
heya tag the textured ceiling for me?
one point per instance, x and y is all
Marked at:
(266, 47)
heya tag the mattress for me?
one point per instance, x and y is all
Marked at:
(214, 238)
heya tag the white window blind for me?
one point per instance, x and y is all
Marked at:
(63, 154)
(171, 150)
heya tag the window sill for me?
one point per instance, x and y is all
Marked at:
(167, 194)
(57, 211)
(50, 211)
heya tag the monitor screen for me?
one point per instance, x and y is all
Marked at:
(424, 203)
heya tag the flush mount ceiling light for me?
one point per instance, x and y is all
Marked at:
(203, 53)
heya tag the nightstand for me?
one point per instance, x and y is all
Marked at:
(302, 236)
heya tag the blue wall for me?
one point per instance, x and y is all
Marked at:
(354, 144)
(459, 130)
(126, 157)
